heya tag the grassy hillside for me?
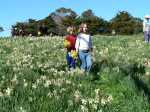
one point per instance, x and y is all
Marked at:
(34, 77)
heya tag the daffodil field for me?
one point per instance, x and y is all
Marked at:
(34, 76)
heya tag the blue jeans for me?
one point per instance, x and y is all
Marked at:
(70, 61)
(147, 36)
(86, 60)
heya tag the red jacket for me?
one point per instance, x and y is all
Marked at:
(72, 40)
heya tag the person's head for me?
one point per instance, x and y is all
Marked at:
(147, 17)
(70, 30)
(83, 28)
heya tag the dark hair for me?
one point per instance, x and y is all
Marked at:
(82, 26)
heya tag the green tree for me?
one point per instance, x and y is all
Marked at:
(66, 12)
(96, 25)
(138, 25)
(19, 29)
(63, 18)
(1, 29)
(124, 23)
(88, 14)
(46, 26)
(31, 27)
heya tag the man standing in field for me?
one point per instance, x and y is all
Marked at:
(146, 28)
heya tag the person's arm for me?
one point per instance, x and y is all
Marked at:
(66, 42)
(77, 44)
(144, 25)
(90, 44)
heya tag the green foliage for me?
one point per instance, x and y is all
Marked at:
(63, 18)
(124, 23)
(34, 76)
(1, 29)
(96, 25)
(57, 22)
(33, 27)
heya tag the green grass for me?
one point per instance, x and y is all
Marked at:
(34, 76)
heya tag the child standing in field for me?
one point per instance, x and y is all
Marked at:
(84, 47)
(70, 41)
(146, 28)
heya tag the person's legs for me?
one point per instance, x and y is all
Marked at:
(82, 57)
(88, 62)
(68, 58)
(73, 63)
(146, 36)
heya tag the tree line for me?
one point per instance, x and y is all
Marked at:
(56, 23)
(1, 29)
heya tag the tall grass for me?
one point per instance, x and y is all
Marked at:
(34, 76)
